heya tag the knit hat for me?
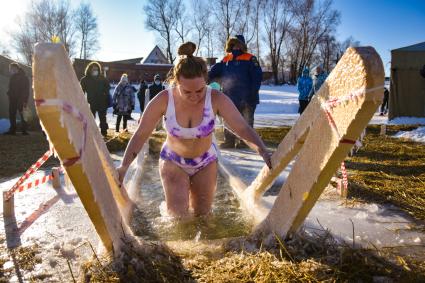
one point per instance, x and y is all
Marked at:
(241, 38)
(233, 41)
(124, 78)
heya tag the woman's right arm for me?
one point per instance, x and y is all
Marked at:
(152, 114)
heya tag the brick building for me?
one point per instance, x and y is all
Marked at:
(137, 68)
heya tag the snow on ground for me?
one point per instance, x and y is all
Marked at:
(278, 106)
(417, 135)
(53, 219)
(4, 125)
(407, 121)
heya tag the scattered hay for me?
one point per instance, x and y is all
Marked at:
(24, 260)
(147, 262)
(20, 152)
(304, 258)
(389, 170)
(273, 136)
(117, 142)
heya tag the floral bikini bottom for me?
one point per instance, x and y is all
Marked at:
(190, 165)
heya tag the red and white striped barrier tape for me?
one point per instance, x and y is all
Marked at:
(70, 109)
(73, 111)
(328, 106)
(28, 173)
(35, 183)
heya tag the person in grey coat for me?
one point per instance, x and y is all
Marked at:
(123, 102)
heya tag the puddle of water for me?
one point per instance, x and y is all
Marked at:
(227, 218)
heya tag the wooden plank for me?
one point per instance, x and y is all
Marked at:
(63, 112)
(316, 144)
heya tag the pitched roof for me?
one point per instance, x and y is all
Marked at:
(155, 57)
(415, 47)
(129, 61)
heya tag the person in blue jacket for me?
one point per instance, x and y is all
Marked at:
(304, 85)
(240, 75)
(318, 79)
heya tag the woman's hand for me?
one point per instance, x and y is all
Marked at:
(266, 155)
(121, 174)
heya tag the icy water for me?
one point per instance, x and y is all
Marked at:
(150, 221)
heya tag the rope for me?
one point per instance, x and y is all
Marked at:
(73, 111)
(334, 102)
(28, 173)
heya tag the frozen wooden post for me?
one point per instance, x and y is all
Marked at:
(70, 127)
(383, 130)
(56, 181)
(8, 205)
(320, 140)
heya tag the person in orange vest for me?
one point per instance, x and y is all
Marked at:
(240, 76)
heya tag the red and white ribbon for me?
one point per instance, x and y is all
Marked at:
(77, 114)
(35, 183)
(333, 102)
(28, 173)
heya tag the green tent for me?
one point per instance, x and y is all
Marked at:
(407, 93)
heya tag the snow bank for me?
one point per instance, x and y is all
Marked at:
(417, 135)
(407, 121)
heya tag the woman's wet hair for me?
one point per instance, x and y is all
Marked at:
(188, 66)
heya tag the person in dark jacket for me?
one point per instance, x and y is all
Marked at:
(156, 87)
(18, 93)
(304, 85)
(240, 76)
(96, 86)
(152, 90)
(123, 102)
(141, 94)
(384, 105)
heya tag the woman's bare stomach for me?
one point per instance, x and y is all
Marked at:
(189, 148)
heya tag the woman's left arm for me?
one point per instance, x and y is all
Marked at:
(230, 114)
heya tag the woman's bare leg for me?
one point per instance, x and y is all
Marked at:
(202, 189)
(176, 188)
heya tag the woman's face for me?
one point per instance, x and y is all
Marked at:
(192, 90)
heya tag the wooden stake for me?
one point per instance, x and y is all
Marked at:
(383, 130)
(8, 205)
(56, 182)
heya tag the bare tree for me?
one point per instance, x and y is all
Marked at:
(183, 24)
(342, 46)
(313, 20)
(161, 17)
(256, 20)
(249, 23)
(227, 14)
(4, 51)
(209, 33)
(328, 52)
(86, 27)
(245, 25)
(277, 19)
(201, 22)
(44, 20)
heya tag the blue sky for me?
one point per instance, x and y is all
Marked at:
(383, 24)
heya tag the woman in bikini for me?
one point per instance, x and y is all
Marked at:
(188, 159)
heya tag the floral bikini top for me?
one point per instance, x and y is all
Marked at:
(204, 129)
